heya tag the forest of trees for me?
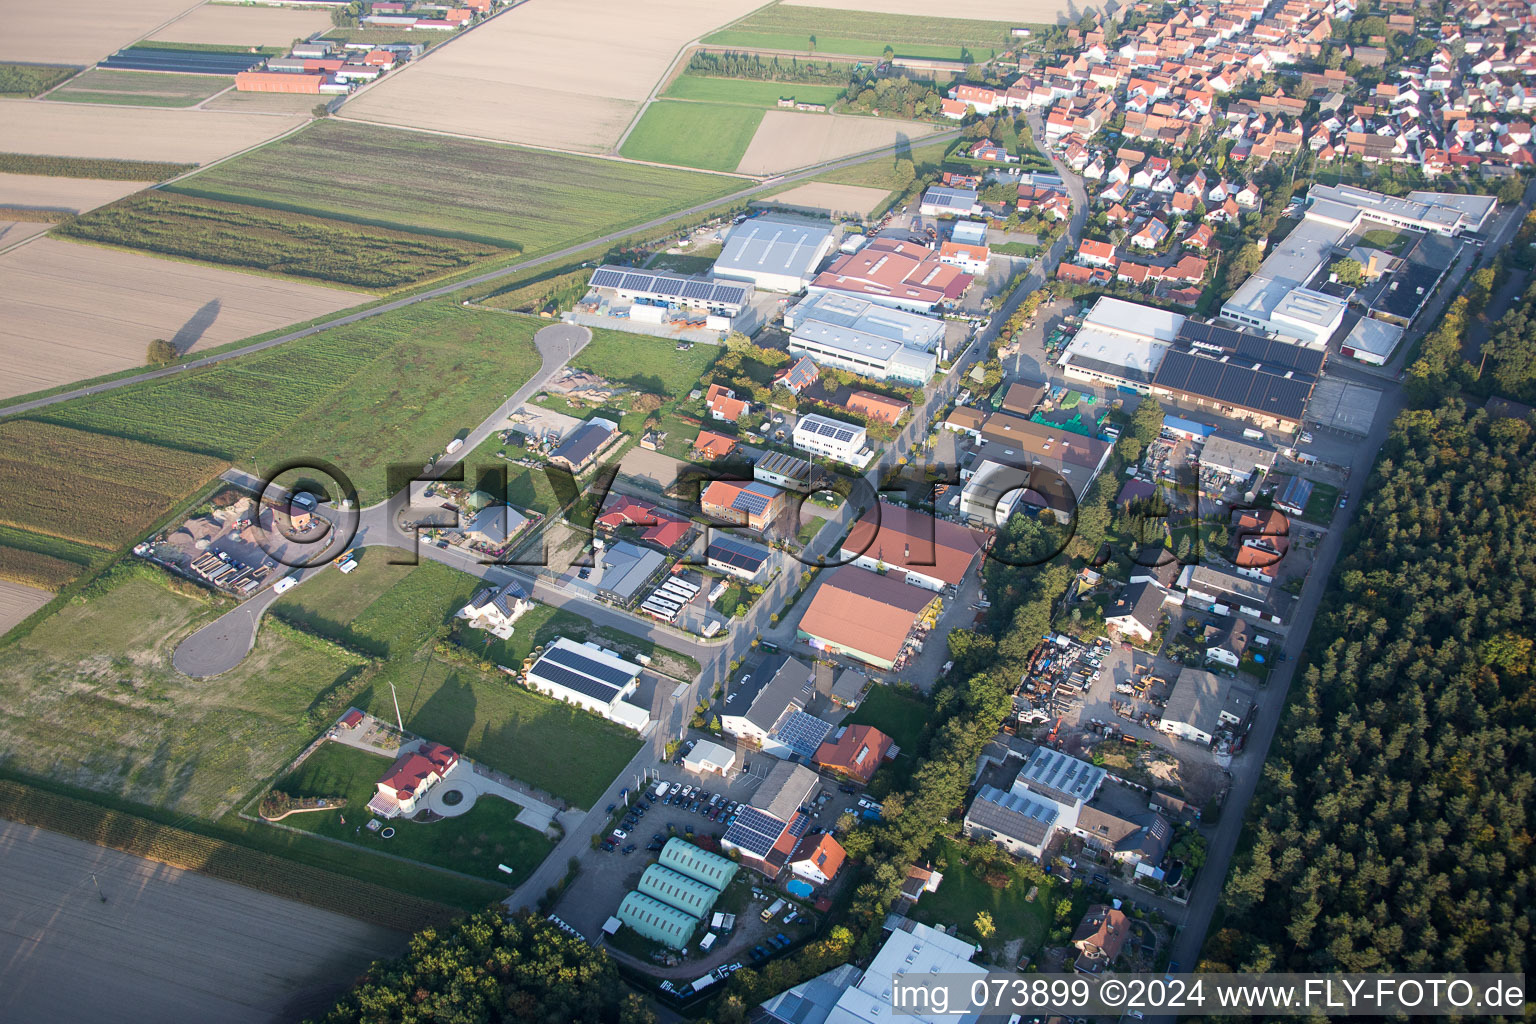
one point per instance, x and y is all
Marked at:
(1393, 830)
(488, 967)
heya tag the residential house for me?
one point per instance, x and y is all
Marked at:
(818, 858)
(855, 752)
(403, 789)
(883, 408)
(754, 505)
(1137, 611)
(723, 404)
(1100, 938)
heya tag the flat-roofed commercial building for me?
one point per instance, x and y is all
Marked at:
(1371, 341)
(1120, 344)
(776, 253)
(1056, 466)
(1266, 381)
(1442, 213)
(588, 676)
(860, 334)
(631, 285)
(833, 439)
(783, 470)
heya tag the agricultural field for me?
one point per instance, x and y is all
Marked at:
(531, 201)
(863, 28)
(1011, 12)
(133, 133)
(390, 389)
(88, 168)
(747, 92)
(262, 103)
(788, 139)
(29, 79)
(218, 24)
(74, 311)
(17, 600)
(42, 561)
(13, 231)
(711, 136)
(76, 195)
(887, 173)
(544, 77)
(93, 489)
(96, 29)
(290, 244)
(831, 200)
(92, 700)
(486, 836)
(141, 88)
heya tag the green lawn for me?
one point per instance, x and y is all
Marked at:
(652, 365)
(533, 201)
(392, 389)
(899, 716)
(387, 611)
(486, 836)
(1322, 504)
(748, 92)
(141, 88)
(710, 136)
(526, 488)
(961, 896)
(92, 700)
(865, 34)
(544, 623)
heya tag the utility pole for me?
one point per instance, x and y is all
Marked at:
(396, 698)
(98, 887)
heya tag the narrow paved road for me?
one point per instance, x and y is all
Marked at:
(167, 945)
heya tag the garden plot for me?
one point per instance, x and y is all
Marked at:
(72, 311)
(47, 192)
(83, 33)
(244, 26)
(132, 133)
(788, 139)
(541, 75)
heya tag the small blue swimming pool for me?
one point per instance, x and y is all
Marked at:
(799, 888)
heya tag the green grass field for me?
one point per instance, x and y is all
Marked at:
(961, 896)
(711, 136)
(141, 88)
(746, 92)
(487, 835)
(384, 610)
(864, 34)
(392, 389)
(31, 79)
(899, 716)
(92, 700)
(532, 201)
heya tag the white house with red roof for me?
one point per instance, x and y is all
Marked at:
(415, 771)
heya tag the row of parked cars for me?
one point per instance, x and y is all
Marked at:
(701, 801)
(771, 946)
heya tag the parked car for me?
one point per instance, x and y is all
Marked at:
(1101, 879)
(619, 833)
(628, 849)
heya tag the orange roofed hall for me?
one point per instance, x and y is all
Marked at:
(865, 615)
(924, 551)
(904, 275)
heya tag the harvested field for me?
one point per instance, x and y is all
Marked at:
(262, 103)
(93, 700)
(543, 76)
(712, 136)
(73, 311)
(532, 201)
(13, 231)
(47, 192)
(244, 26)
(140, 88)
(1017, 12)
(788, 139)
(291, 244)
(868, 29)
(187, 136)
(91, 488)
(96, 29)
(834, 200)
(17, 600)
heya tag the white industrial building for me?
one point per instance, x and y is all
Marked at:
(1202, 704)
(833, 439)
(590, 677)
(1121, 344)
(1049, 793)
(776, 253)
(709, 758)
(855, 334)
(1371, 341)
(944, 201)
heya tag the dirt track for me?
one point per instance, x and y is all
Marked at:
(168, 945)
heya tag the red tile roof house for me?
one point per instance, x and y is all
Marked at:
(414, 772)
(855, 752)
(1096, 254)
(877, 407)
(723, 403)
(818, 859)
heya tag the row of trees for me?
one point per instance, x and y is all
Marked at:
(768, 69)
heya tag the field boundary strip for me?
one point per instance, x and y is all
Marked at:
(216, 858)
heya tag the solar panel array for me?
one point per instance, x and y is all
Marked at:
(670, 286)
(754, 831)
(828, 428)
(1278, 356)
(1234, 385)
(754, 499)
(802, 733)
(554, 673)
(571, 659)
(142, 58)
(736, 554)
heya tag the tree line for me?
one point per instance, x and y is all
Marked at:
(768, 69)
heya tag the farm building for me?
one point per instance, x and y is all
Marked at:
(590, 677)
(656, 920)
(864, 615)
(776, 253)
(279, 81)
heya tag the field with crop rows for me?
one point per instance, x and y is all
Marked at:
(87, 167)
(35, 569)
(141, 88)
(292, 244)
(712, 136)
(91, 488)
(390, 389)
(484, 192)
(864, 33)
(31, 79)
(748, 92)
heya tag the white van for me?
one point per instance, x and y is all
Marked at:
(454, 445)
(284, 585)
(348, 565)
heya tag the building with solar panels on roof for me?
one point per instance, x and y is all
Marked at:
(589, 677)
(776, 253)
(769, 711)
(1266, 381)
(735, 557)
(651, 299)
(767, 831)
(1021, 824)
(754, 505)
(838, 440)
